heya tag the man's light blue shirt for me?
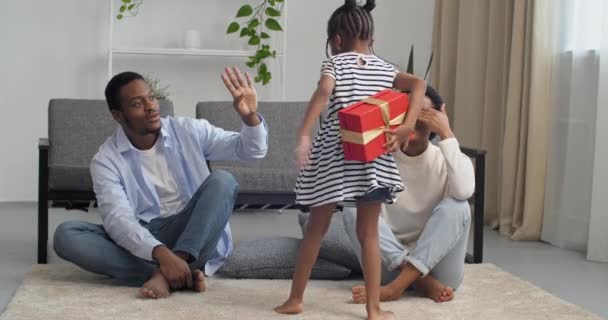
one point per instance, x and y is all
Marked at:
(125, 196)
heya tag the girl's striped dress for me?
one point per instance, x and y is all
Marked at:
(328, 177)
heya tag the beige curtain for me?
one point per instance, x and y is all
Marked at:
(493, 66)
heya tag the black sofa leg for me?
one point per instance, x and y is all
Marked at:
(480, 167)
(43, 206)
(43, 227)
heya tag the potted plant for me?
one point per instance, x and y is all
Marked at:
(255, 24)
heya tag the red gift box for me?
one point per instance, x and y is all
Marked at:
(362, 124)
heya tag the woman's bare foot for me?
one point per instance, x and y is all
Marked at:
(387, 293)
(198, 280)
(156, 287)
(290, 307)
(435, 290)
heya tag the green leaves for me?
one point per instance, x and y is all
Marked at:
(160, 92)
(128, 8)
(264, 52)
(245, 32)
(273, 25)
(244, 11)
(255, 23)
(272, 12)
(254, 41)
(233, 27)
(263, 75)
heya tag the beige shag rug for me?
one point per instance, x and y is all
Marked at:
(54, 292)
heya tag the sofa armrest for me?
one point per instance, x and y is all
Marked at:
(473, 152)
(478, 202)
(43, 144)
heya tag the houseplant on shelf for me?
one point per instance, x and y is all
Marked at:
(256, 25)
(161, 92)
(265, 15)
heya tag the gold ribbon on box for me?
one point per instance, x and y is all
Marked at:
(367, 136)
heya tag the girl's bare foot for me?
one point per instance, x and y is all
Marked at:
(156, 287)
(387, 293)
(381, 315)
(198, 280)
(435, 290)
(290, 307)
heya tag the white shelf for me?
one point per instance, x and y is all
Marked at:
(191, 52)
(184, 52)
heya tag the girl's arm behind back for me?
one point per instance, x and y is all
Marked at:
(417, 88)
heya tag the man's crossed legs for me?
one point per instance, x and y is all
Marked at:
(192, 235)
(435, 266)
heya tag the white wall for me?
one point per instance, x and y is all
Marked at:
(60, 49)
(48, 49)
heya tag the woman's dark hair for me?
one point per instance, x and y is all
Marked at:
(352, 22)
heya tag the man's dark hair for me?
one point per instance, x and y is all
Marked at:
(436, 101)
(434, 96)
(112, 91)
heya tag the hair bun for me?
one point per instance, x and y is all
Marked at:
(369, 5)
(350, 4)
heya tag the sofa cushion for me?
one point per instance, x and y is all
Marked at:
(275, 258)
(336, 245)
(277, 171)
(77, 128)
(261, 179)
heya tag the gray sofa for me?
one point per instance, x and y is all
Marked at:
(78, 127)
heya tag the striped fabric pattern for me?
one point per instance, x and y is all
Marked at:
(328, 178)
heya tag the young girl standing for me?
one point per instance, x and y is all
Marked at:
(352, 73)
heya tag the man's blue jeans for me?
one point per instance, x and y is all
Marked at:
(439, 251)
(195, 230)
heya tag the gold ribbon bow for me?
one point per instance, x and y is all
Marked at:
(367, 136)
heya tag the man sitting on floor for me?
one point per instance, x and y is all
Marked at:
(423, 236)
(165, 215)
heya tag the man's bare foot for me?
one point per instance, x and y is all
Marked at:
(156, 287)
(381, 315)
(290, 307)
(198, 280)
(387, 293)
(435, 290)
